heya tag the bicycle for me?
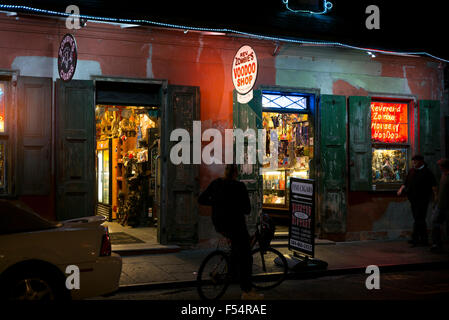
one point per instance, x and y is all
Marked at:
(269, 268)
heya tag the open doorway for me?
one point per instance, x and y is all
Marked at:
(127, 148)
(128, 145)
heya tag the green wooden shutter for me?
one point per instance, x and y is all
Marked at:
(75, 149)
(34, 138)
(333, 163)
(179, 219)
(429, 133)
(249, 116)
(360, 144)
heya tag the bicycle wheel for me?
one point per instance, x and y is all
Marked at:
(214, 276)
(269, 268)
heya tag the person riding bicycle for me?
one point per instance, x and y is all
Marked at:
(230, 203)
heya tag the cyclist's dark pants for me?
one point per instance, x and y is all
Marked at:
(241, 258)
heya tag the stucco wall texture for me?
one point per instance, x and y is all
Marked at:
(30, 44)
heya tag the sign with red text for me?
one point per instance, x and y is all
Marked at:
(301, 235)
(244, 70)
(389, 122)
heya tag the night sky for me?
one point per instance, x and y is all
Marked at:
(410, 26)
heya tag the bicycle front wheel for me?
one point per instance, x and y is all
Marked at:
(214, 276)
(269, 268)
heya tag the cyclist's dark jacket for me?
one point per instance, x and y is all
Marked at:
(230, 203)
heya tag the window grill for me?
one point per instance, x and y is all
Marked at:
(284, 101)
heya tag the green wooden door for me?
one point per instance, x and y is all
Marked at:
(333, 175)
(180, 182)
(34, 138)
(249, 116)
(75, 149)
(429, 133)
(360, 144)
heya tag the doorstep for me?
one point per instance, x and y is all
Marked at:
(142, 248)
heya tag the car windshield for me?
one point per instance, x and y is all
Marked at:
(16, 217)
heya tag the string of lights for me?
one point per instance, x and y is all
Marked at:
(326, 5)
(28, 9)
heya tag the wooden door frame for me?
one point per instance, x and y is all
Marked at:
(315, 113)
(11, 113)
(161, 226)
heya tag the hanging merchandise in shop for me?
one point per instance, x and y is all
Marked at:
(291, 133)
(67, 57)
(126, 137)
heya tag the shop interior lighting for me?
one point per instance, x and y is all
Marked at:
(326, 5)
(15, 8)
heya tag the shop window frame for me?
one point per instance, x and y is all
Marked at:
(310, 98)
(408, 146)
(7, 137)
(4, 136)
(312, 110)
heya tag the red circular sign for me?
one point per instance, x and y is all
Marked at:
(67, 57)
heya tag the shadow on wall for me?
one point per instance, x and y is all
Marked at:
(398, 220)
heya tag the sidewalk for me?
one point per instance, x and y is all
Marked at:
(145, 272)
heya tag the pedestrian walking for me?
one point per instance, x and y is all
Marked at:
(441, 209)
(230, 203)
(420, 187)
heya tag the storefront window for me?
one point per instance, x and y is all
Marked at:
(2, 165)
(3, 143)
(287, 126)
(103, 171)
(389, 134)
(2, 107)
(389, 165)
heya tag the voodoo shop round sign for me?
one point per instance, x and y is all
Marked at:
(67, 57)
(244, 70)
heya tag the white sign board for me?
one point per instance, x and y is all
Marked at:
(244, 70)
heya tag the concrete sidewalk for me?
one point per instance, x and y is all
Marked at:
(145, 272)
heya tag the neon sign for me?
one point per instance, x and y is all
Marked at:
(389, 123)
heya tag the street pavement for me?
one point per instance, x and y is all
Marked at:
(408, 285)
(177, 269)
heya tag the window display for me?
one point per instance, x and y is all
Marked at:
(2, 107)
(103, 154)
(389, 126)
(389, 166)
(293, 136)
(2, 165)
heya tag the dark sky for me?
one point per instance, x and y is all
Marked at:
(404, 25)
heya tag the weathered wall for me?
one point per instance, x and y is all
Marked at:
(354, 73)
(196, 59)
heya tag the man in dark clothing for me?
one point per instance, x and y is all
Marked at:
(418, 185)
(230, 203)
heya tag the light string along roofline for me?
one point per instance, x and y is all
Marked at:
(7, 7)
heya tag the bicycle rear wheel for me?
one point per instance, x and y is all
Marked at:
(214, 276)
(269, 268)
